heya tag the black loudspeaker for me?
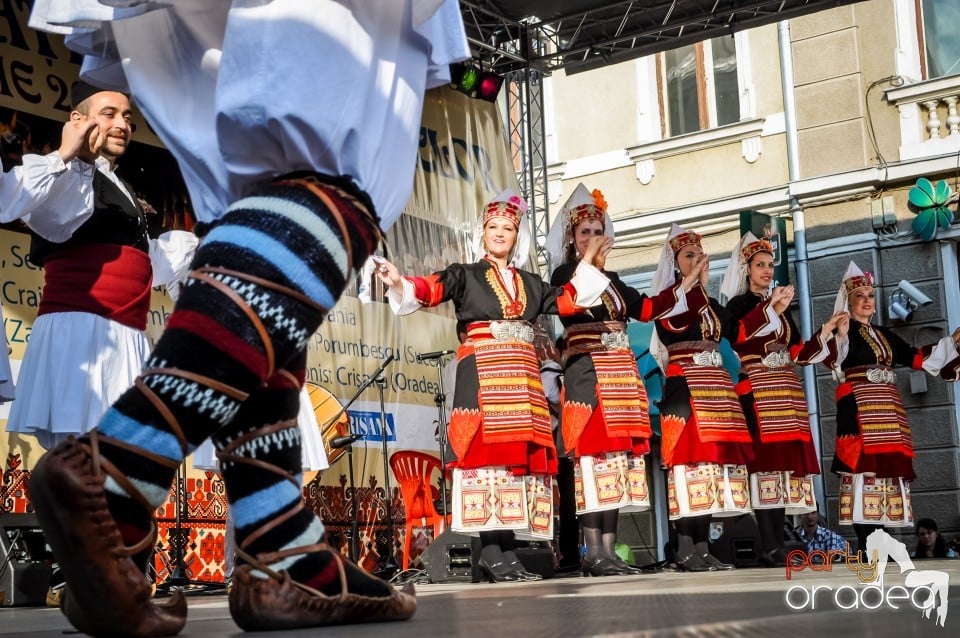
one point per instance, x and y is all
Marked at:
(24, 569)
(738, 541)
(448, 559)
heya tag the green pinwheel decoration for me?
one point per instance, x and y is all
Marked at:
(929, 202)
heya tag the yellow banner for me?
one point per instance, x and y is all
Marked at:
(36, 71)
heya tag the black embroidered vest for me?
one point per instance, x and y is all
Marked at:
(115, 220)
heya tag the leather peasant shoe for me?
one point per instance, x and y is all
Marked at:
(107, 593)
(278, 602)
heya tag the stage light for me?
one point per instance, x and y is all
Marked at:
(463, 77)
(470, 79)
(489, 87)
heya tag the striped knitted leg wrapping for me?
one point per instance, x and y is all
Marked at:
(261, 463)
(262, 281)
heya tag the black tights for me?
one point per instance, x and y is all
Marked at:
(693, 533)
(494, 546)
(770, 526)
(600, 534)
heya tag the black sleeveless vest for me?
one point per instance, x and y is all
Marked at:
(115, 220)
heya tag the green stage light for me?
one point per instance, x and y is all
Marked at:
(464, 77)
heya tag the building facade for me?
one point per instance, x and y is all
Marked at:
(697, 135)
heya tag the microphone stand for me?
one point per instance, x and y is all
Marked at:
(348, 442)
(178, 537)
(440, 400)
(390, 562)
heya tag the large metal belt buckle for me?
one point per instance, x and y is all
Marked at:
(881, 375)
(708, 358)
(776, 359)
(615, 340)
(511, 331)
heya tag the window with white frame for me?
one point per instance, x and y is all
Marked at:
(939, 42)
(698, 86)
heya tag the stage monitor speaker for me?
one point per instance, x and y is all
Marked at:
(24, 569)
(738, 540)
(448, 558)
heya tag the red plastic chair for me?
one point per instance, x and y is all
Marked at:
(413, 471)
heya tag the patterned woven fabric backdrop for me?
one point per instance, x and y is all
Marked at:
(204, 520)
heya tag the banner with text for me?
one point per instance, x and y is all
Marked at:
(462, 162)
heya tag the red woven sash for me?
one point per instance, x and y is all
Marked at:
(108, 280)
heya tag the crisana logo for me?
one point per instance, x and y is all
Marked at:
(923, 589)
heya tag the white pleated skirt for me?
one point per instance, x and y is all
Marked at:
(76, 365)
(6, 374)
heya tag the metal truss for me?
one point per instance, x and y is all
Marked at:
(605, 32)
(527, 131)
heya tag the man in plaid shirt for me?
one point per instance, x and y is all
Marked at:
(819, 538)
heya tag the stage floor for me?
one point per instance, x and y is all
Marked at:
(741, 603)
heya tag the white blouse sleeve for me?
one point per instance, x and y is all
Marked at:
(53, 198)
(403, 300)
(589, 284)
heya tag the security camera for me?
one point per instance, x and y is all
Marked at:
(901, 307)
(914, 293)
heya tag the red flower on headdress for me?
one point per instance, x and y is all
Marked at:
(598, 199)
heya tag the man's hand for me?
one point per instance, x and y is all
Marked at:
(81, 139)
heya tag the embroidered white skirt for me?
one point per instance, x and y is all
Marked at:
(616, 480)
(864, 498)
(491, 499)
(773, 490)
(708, 489)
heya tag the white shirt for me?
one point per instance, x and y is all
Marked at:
(54, 198)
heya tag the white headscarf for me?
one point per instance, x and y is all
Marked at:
(510, 206)
(854, 278)
(666, 274)
(735, 278)
(665, 277)
(583, 205)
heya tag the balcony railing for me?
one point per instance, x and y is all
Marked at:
(929, 121)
